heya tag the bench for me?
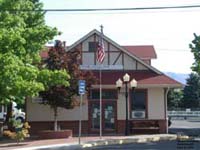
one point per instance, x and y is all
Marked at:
(144, 127)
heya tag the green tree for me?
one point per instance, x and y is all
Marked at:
(58, 95)
(174, 97)
(192, 89)
(195, 49)
(22, 36)
(191, 93)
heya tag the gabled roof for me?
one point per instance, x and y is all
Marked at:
(116, 45)
(142, 51)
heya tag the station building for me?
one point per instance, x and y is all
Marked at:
(147, 103)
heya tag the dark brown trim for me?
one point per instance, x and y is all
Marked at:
(165, 102)
(88, 52)
(117, 58)
(136, 65)
(115, 90)
(115, 51)
(147, 106)
(104, 101)
(81, 49)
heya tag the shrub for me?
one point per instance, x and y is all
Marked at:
(21, 131)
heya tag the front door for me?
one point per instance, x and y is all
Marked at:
(108, 117)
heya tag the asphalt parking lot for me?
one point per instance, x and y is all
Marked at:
(186, 127)
(188, 124)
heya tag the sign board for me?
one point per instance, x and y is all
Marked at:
(102, 67)
(81, 88)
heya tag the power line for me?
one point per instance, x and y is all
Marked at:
(102, 9)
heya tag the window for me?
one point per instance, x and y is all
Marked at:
(138, 104)
(92, 46)
(106, 94)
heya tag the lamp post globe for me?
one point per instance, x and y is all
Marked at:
(126, 77)
(119, 83)
(133, 84)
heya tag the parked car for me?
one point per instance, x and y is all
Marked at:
(18, 114)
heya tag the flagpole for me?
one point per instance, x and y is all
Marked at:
(100, 102)
(100, 92)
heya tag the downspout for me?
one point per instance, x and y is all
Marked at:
(165, 100)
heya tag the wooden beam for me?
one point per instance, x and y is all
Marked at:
(117, 58)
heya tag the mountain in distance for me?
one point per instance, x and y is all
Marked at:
(181, 77)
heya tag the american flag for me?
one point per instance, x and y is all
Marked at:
(100, 51)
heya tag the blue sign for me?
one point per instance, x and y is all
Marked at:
(81, 89)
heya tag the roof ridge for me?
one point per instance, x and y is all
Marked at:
(117, 45)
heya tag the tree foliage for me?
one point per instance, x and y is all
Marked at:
(59, 59)
(17, 80)
(60, 95)
(22, 36)
(191, 96)
(195, 49)
(174, 97)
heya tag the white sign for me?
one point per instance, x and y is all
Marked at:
(102, 67)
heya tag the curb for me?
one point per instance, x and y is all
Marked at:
(136, 139)
(104, 142)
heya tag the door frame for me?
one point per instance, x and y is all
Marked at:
(104, 131)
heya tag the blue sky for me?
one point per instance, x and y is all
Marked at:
(170, 31)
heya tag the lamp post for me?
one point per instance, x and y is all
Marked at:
(133, 84)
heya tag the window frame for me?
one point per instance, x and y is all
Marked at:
(103, 90)
(146, 103)
(94, 47)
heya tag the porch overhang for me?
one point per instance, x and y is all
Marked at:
(144, 79)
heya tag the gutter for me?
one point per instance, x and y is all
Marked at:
(166, 91)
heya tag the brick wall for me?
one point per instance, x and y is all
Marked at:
(163, 126)
(120, 127)
(73, 125)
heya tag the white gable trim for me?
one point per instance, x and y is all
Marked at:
(115, 44)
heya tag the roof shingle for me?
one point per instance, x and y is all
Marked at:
(142, 51)
(142, 77)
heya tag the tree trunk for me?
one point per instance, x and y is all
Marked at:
(8, 116)
(55, 119)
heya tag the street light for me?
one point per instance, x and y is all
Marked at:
(133, 84)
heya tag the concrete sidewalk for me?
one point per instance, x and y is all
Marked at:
(72, 143)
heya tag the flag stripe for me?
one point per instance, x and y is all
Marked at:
(100, 51)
